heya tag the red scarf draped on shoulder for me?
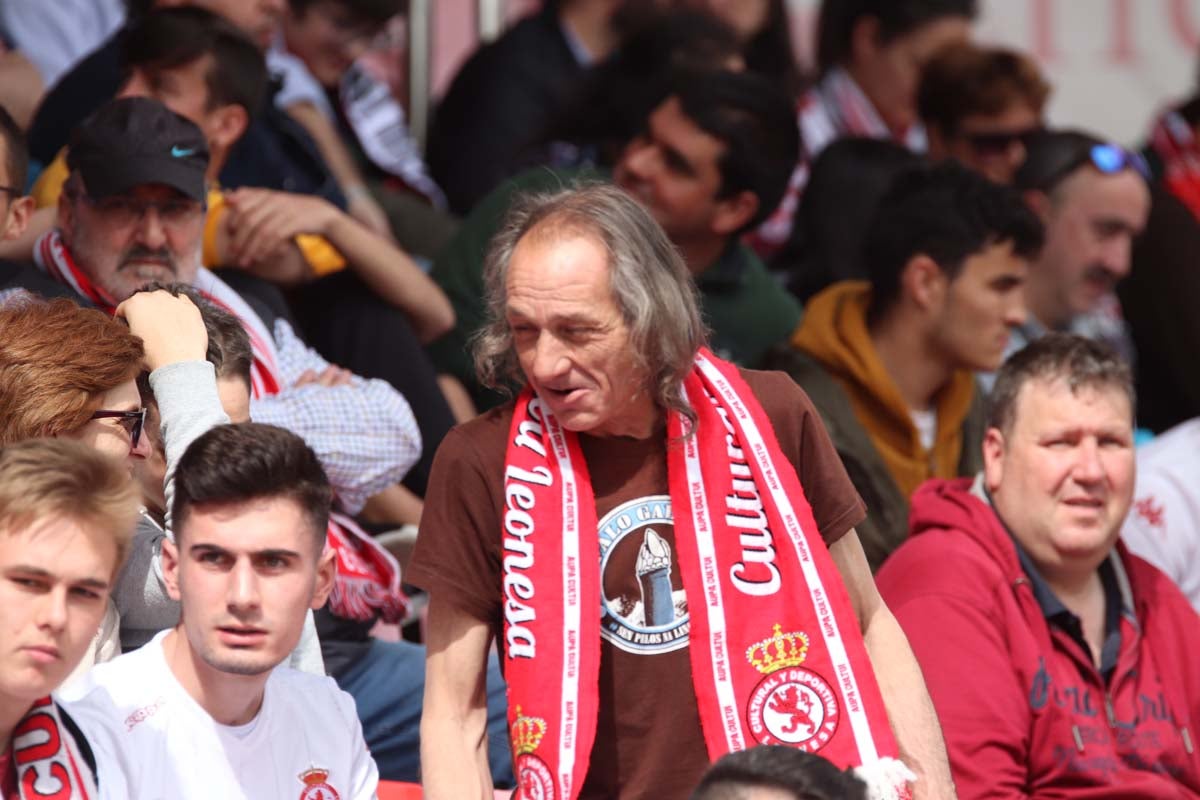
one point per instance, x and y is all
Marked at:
(777, 655)
(46, 760)
(368, 577)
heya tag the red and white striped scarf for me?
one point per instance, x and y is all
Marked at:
(47, 760)
(772, 627)
(835, 108)
(1174, 141)
(368, 577)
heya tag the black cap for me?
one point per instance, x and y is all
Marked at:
(133, 141)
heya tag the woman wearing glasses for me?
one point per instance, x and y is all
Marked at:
(70, 371)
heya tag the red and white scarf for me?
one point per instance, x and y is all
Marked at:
(368, 577)
(46, 758)
(835, 108)
(1173, 140)
(771, 622)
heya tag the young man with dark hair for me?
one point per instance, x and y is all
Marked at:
(775, 772)
(1061, 666)
(66, 516)
(890, 364)
(869, 58)
(709, 163)
(206, 709)
(981, 106)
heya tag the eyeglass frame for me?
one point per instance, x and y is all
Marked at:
(992, 143)
(137, 415)
(144, 206)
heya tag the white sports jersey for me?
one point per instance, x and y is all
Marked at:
(1163, 525)
(152, 741)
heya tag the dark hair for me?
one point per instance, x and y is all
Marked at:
(16, 150)
(372, 12)
(174, 37)
(611, 101)
(1083, 363)
(844, 186)
(806, 776)
(229, 349)
(1051, 157)
(756, 122)
(837, 19)
(769, 51)
(137, 8)
(965, 80)
(946, 212)
(233, 464)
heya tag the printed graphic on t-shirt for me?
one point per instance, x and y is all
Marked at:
(645, 607)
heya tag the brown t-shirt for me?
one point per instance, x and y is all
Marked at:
(648, 737)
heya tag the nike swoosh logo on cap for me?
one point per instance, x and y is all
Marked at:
(182, 152)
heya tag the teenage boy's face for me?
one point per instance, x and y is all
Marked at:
(245, 575)
(55, 577)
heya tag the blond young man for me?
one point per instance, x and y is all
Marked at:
(67, 513)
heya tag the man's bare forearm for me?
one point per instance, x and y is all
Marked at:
(454, 762)
(909, 707)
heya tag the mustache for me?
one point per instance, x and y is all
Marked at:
(1099, 274)
(144, 254)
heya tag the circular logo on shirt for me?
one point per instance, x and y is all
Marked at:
(795, 707)
(534, 778)
(316, 786)
(644, 606)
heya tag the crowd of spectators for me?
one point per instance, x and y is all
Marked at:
(335, 465)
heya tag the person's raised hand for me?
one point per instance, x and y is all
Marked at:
(170, 327)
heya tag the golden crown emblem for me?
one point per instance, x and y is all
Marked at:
(527, 733)
(314, 777)
(780, 651)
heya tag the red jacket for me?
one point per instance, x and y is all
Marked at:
(1024, 711)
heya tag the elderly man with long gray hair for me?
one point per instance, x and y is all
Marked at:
(634, 479)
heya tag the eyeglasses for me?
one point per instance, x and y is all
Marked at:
(125, 211)
(11, 190)
(994, 143)
(131, 421)
(1056, 155)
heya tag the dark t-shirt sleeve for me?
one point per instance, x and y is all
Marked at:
(835, 503)
(457, 555)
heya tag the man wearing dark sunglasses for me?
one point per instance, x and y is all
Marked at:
(1093, 200)
(982, 106)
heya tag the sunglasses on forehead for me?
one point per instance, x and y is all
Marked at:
(131, 421)
(1052, 160)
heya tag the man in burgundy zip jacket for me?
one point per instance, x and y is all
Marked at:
(1060, 665)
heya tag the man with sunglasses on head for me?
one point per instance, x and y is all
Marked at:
(981, 106)
(1093, 200)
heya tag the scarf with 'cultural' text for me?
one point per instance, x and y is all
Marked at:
(776, 651)
(46, 759)
(368, 577)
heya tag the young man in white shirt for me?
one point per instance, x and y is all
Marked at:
(204, 710)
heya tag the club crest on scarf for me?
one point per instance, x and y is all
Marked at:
(533, 776)
(792, 705)
(645, 606)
